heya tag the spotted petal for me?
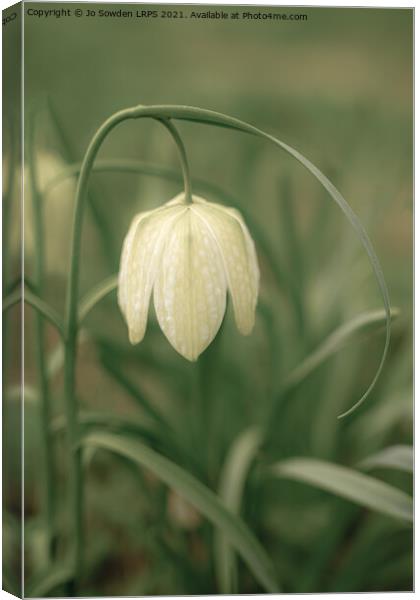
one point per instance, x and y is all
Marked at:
(139, 261)
(231, 235)
(190, 288)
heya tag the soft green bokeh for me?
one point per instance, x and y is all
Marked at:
(338, 87)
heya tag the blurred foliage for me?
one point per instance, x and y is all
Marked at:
(339, 88)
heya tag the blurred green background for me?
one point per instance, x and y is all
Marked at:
(338, 87)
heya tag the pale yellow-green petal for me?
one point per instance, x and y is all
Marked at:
(229, 231)
(139, 262)
(190, 289)
(124, 260)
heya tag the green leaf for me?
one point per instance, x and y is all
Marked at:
(232, 482)
(198, 495)
(334, 342)
(96, 295)
(96, 419)
(12, 299)
(394, 457)
(93, 418)
(45, 309)
(115, 371)
(348, 483)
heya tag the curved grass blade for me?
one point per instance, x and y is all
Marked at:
(12, 299)
(334, 342)
(45, 309)
(96, 295)
(115, 371)
(92, 418)
(348, 483)
(394, 457)
(232, 482)
(197, 494)
(143, 429)
(209, 117)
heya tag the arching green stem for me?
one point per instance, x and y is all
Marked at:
(71, 318)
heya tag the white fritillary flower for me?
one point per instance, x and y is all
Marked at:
(189, 255)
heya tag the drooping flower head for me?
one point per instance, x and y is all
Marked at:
(189, 255)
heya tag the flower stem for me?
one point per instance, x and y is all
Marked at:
(182, 156)
(39, 272)
(71, 318)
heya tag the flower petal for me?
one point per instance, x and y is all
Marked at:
(140, 257)
(238, 250)
(190, 289)
(124, 261)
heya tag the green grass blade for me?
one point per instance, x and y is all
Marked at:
(45, 309)
(394, 457)
(348, 483)
(90, 419)
(96, 295)
(334, 342)
(232, 482)
(12, 299)
(111, 366)
(198, 495)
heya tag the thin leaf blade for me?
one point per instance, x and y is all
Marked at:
(348, 483)
(232, 482)
(394, 457)
(96, 295)
(198, 495)
(334, 342)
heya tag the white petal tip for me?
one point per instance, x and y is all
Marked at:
(192, 359)
(188, 356)
(134, 337)
(246, 328)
